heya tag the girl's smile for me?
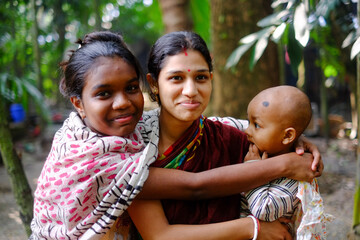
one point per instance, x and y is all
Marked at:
(112, 101)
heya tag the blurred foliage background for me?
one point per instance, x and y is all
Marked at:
(311, 44)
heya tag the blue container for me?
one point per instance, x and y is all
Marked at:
(17, 112)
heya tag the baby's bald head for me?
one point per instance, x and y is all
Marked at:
(288, 105)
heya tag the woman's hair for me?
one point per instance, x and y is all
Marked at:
(81, 61)
(171, 44)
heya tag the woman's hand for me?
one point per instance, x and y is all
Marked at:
(303, 145)
(299, 167)
(273, 230)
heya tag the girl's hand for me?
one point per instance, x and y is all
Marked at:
(273, 230)
(303, 145)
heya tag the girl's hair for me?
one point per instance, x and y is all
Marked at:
(81, 61)
(171, 44)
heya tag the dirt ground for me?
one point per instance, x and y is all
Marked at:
(337, 185)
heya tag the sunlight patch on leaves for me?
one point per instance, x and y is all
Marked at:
(355, 49)
(302, 33)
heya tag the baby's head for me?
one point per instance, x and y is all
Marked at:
(277, 117)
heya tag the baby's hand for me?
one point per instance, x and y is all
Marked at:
(253, 153)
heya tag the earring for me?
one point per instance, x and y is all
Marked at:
(155, 91)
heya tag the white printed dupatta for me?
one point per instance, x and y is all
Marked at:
(88, 180)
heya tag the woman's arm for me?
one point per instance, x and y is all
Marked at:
(227, 180)
(151, 222)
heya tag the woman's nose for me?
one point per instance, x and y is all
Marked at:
(121, 101)
(190, 88)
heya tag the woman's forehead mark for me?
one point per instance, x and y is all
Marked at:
(185, 51)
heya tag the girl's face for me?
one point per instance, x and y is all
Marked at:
(184, 86)
(112, 102)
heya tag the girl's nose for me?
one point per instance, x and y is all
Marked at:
(121, 101)
(190, 88)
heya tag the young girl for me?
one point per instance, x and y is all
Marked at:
(180, 74)
(99, 160)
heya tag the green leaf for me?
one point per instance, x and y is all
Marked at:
(351, 37)
(38, 98)
(259, 50)
(236, 55)
(273, 19)
(302, 33)
(279, 31)
(294, 49)
(251, 38)
(355, 49)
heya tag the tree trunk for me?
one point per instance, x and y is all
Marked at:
(233, 90)
(176, 15)
(20, 186)
(356, 217)
(97, 10)
(60, 24)
(36, 49)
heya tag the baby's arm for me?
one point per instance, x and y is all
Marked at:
(151, 222)
(271, 201)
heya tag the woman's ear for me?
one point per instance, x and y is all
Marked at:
(77, 103)
(289, 135)
(152, 82)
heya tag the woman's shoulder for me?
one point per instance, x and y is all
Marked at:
(230, 121)
(223, 129)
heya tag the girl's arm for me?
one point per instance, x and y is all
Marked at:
(227, 180)
(151, 222)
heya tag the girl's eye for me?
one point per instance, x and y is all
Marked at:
(133, 88)
(103, 94)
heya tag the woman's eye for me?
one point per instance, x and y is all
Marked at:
(202, 77)
(257, 125)
(177, 78)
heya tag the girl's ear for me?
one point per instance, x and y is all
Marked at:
(289, 136)
(77, 103)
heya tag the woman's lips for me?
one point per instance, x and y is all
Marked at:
(190, 104)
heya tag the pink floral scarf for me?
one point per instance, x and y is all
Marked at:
(88, 180)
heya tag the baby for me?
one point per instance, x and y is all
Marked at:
(277, 118)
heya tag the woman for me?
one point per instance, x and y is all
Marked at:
(180, 74)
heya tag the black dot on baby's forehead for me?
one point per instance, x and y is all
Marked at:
(265, 103)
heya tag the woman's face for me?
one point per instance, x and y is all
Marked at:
(112, 102)
(184, 86)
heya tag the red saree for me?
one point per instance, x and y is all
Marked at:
(216, 145)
